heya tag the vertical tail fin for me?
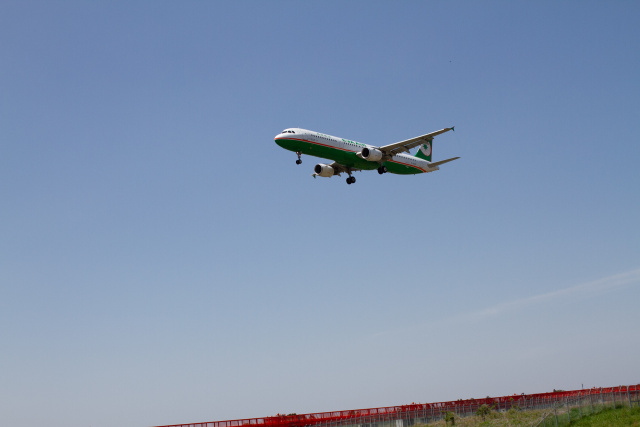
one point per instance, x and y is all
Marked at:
(424, 152)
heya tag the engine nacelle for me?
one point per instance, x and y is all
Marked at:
(371, 154)
(322, 170)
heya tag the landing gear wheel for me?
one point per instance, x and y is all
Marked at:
(351, 180)
(382, 169)
(298, 162)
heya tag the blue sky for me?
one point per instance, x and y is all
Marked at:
(162, 260)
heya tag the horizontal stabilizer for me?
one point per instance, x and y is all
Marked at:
(442, 162)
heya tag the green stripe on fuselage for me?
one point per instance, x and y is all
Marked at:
(346, 158)
(402, 169)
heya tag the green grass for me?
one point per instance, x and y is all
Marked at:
(611, 417)
(580, 417)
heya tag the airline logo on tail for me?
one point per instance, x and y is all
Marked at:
(424, 152)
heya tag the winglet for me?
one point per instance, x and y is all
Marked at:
(453, 128)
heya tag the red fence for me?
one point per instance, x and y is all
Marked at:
(398, 411)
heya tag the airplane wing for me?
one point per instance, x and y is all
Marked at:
(399, 147)
(338, 168)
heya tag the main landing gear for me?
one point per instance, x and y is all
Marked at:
(299, 161)
(382, 169)
(351, 180)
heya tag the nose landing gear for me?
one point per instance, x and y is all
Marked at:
(299, 161)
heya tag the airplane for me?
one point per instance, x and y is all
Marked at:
(350, 156)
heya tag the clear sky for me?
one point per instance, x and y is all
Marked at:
(162, 260)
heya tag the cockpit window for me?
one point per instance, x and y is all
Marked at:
(287, 131)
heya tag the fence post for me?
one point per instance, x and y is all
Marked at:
(600, 397)
(566, 402)
(555, 412)
(580, 403)
(619, 397)
(613, 396)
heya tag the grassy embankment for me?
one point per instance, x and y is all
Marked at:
(611, 417)
(621, 416)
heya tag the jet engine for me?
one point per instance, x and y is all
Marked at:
(325, 171)
(371, 154)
